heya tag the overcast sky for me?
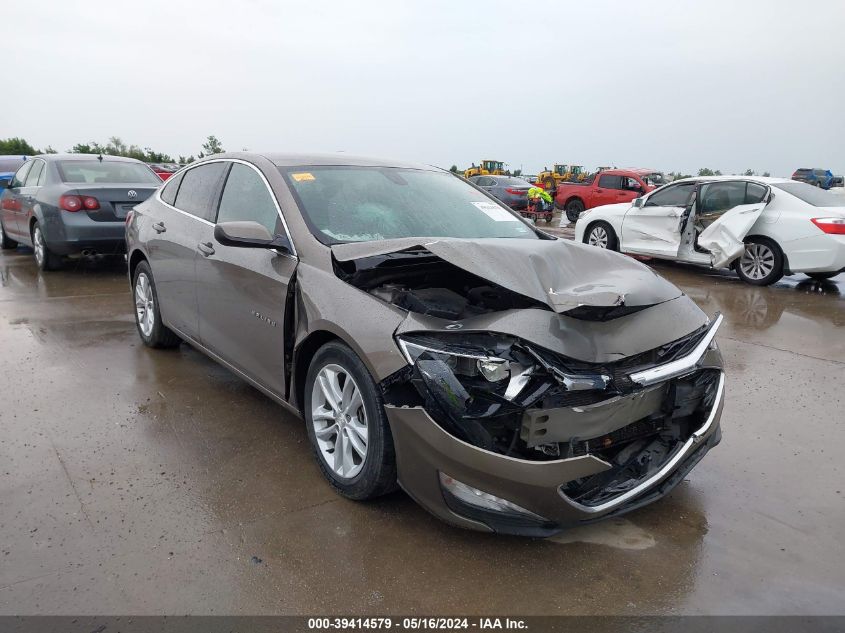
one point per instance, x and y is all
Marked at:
(673, 84)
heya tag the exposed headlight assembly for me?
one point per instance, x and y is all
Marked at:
(462, 362)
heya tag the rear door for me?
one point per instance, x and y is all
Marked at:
(655, 228)
(177, 226)
(13, 202)
(725, 213)
(34, 180)
(242, 292)
(608, 190)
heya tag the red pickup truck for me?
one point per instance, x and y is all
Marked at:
(605, 187)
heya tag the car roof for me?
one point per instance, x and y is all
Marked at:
(765, 180)
(622, 171)
(105, 157)
(337, 159)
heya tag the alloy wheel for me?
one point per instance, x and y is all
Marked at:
(757, 261)
(340, 421)
(144, 304)
(598, 237)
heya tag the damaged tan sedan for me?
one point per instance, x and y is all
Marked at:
(431, 338)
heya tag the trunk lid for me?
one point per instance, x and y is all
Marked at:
(115, 200)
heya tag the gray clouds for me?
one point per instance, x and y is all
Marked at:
(672, 84)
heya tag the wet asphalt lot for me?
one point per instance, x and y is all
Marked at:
(142, 481)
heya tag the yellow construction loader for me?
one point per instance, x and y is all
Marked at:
(487, 168)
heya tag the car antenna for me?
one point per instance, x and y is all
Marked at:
(100, 157)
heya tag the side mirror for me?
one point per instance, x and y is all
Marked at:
(249, 234)
(638, 202)
(5, 183)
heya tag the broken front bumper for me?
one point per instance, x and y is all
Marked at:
(424, 450)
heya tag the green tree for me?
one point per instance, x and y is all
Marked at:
(517, 172)
(766, 174)
(49, 150)
(749, 172)
(706, 171)
(17, 145)
(454, 169)
(211, 146)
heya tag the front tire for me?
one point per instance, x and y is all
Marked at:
(761, 263)
(6, 243)
(574, 208)
(44, 257)
(347, 425)
(601, 235)
(151, 329)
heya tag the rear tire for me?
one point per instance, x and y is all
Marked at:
(574, 208)
(353, 425)
(6, 243)
(601, 235)
(761, 264)
(44, 257)
(151, 329)
(822, 276)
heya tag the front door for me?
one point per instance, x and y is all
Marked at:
(242, 292)
(655, 227)
(13, 202)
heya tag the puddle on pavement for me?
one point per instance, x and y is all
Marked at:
(617, 533)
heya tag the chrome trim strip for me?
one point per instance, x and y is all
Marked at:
(680, 366)
(667, 468)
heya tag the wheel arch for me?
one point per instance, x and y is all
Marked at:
(136, 257)
(767, 238)
(303, 354)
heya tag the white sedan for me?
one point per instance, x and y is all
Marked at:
(764, 228)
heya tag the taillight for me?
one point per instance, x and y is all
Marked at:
(516, 192)
(831, 226)
(77, 203)
(70, 203)
(90, 203)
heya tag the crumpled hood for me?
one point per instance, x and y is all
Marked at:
(562, 274)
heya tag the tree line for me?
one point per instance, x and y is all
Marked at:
(114, 147)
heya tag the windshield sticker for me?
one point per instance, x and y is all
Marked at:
(303, 176)
(494, 211)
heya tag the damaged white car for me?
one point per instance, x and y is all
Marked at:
(763, 228)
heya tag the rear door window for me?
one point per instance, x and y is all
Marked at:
(610, 182)
(199, 188)
(32, 179)
(718, 197)
(246, 197)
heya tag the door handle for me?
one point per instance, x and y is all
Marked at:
(159, 227)
(206, 248)
(599, 190)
